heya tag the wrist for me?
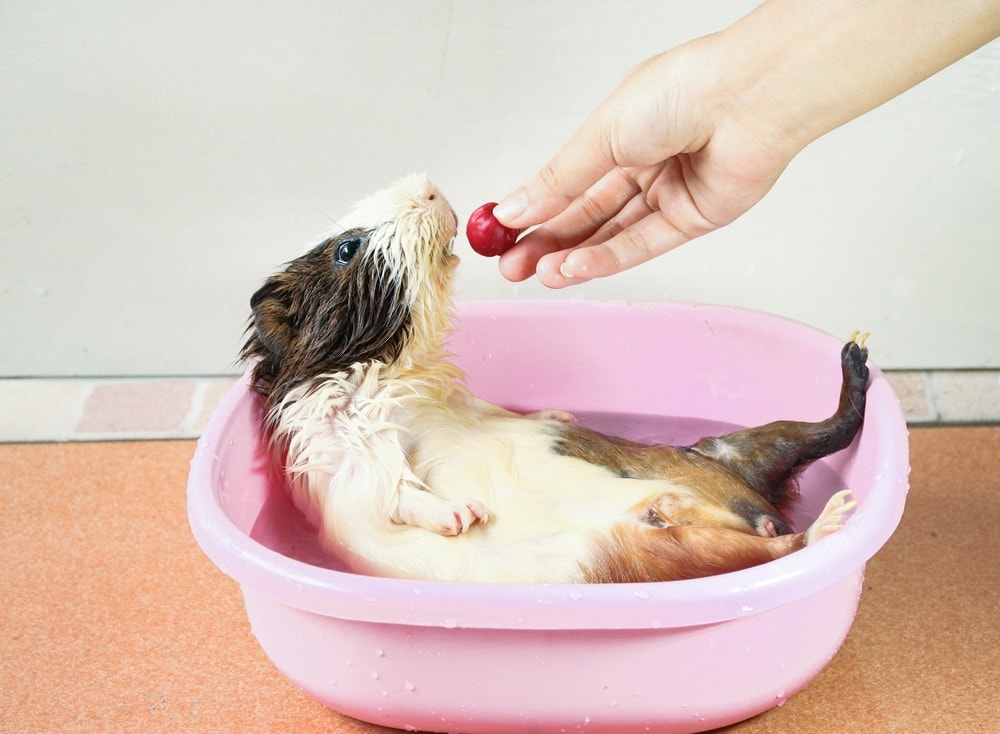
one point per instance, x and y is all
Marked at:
(798, 69)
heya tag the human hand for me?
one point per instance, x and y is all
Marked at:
(693, 138)
(671, 154)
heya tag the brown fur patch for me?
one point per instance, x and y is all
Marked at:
(643, 553)
(320, 315)
(725, 499)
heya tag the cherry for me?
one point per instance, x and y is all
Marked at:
(485, 233)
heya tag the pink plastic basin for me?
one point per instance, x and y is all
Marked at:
(680, 656)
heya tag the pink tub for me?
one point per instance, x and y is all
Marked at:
(682, 656)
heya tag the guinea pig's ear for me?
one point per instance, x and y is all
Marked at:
(270, 330)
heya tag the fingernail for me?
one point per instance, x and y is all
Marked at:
(575, 268)
(511, 207)
(572, 267)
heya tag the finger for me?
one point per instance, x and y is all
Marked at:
(544, 263)
(634, 210)
(647, 238)
(618, 133)
(521, 261)
(536, 252)
(602, 203)
(581, 162)
(595, 207)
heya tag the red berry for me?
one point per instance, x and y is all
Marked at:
(486, 235)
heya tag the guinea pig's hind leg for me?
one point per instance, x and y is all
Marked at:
(635, 554)
(769, 457)
(831, 519)
(420, 508)
(488, 408)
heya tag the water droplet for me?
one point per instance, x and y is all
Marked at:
(417, 592)
(374, 675)
(409, 686)
(379, 652)
(575, 595)
(747, 608)
(641, 594)
(450, 623)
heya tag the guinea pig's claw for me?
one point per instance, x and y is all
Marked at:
(422, 509)
(859, 338)
(464, 513)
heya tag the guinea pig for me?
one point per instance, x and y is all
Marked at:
(405, 473)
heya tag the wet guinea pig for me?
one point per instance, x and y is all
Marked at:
(405, 473)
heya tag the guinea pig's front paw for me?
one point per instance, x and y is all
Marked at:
(421, 509)
(458, 516)
(831, 519)
(560, 416)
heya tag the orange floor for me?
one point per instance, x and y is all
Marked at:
(113, 619)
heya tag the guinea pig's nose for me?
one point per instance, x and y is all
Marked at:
(436, 199)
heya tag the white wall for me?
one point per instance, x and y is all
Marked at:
(157, 160)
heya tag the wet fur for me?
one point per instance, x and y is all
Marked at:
(405, 473)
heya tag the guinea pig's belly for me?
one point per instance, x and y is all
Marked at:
(548, 511)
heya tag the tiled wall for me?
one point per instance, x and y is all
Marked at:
(90, 410)
(94, 410)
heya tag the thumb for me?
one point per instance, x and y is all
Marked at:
(581, 162)
(635, 125)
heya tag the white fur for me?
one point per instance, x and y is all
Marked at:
(383, 473)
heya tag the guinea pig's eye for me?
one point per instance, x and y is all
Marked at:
(346, 250)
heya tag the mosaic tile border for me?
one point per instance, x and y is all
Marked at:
(179, 407)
